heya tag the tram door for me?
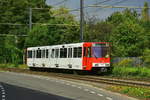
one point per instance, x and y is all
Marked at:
(70, 63)
(57, 57)
(87, 58)
(52, 58)
(34, 56)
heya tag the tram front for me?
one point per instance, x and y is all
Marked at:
(96, 56)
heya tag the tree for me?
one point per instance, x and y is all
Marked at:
(17, 12)
(146, 57)
(38, 36)
(99, 31)
(128, 39)
(59, 29)
(145, 23)
(145, 12)
(118, 17)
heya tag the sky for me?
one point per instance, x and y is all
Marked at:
(101, 13)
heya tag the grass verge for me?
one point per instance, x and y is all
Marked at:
(141, 93)
(21, 66)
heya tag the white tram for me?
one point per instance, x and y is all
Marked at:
(77, 56)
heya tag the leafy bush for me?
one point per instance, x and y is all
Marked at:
(142, 93)
(21, 66)
(144, 72)
(131, 72)
(146, 57)
(125, 63)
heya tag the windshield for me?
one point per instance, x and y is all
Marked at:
(100, 52)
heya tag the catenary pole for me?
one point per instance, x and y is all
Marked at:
(30, 19)
(81, 20)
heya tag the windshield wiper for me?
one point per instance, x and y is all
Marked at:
(95, 55)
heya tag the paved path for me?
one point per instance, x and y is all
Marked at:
(15, 86)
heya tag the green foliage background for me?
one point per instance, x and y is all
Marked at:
(128, 32)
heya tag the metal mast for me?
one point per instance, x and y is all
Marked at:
(81, 20)
(30, 19)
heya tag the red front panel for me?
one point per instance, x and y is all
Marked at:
(89, 60)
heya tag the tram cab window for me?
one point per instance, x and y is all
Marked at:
(56, 53)
(29, 54)
(69, 52)
(63, 53)
(87, 51)
(47, 53)
(100, 50)
(84, 52)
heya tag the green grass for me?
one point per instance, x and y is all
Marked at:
(21, 66)
(8, 66)
(142, 72)
(141, 93)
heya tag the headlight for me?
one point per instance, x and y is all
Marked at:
(107, 56)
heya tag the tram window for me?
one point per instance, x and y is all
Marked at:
(43, 53)
(46, 53)
(38, 54)
(69, 52)
(63, 53)
(56, 53)
(79, 52)
(30, 54)
(84, 51)
(34, 54)
(105, 51)
(89, 52)
(75, 52)
(52, 53)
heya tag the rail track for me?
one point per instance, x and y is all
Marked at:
(95, 79)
